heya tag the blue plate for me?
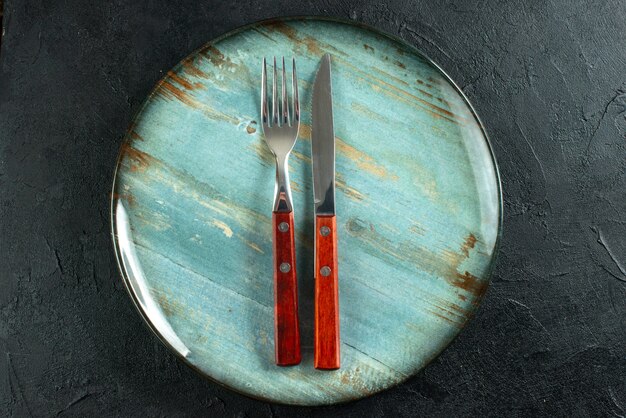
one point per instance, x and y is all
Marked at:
(418, 211)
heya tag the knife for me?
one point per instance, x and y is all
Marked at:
(326, 329)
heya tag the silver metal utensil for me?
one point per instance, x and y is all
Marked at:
(327, 353)
(281, 131)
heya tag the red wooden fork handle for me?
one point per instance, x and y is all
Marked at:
(327, 354)
(286, 327)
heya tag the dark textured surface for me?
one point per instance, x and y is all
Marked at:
(548, 80)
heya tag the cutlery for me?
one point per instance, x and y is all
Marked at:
(281, 131)
(326, 333)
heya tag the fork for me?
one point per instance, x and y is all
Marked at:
(281, 131)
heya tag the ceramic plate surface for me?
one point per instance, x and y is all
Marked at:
(418, 211)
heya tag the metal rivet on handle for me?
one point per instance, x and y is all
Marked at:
(325, 271)
(283, 227)
(285, 267)
(324, 231)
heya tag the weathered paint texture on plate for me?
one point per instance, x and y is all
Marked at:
(418, 211)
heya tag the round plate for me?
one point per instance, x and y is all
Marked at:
(418, 211)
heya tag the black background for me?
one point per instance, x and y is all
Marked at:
(548, 78)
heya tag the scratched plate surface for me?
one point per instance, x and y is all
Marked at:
(418, 211)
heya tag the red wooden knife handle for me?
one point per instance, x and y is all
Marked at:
(286, 326)
(327, 354)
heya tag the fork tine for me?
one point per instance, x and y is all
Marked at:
(296, 99)
(264, 94)
(285, 104)
(275, 117)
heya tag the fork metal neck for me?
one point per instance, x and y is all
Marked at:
(282, 197)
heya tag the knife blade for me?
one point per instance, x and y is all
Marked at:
(326, 328)
(323, 141)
